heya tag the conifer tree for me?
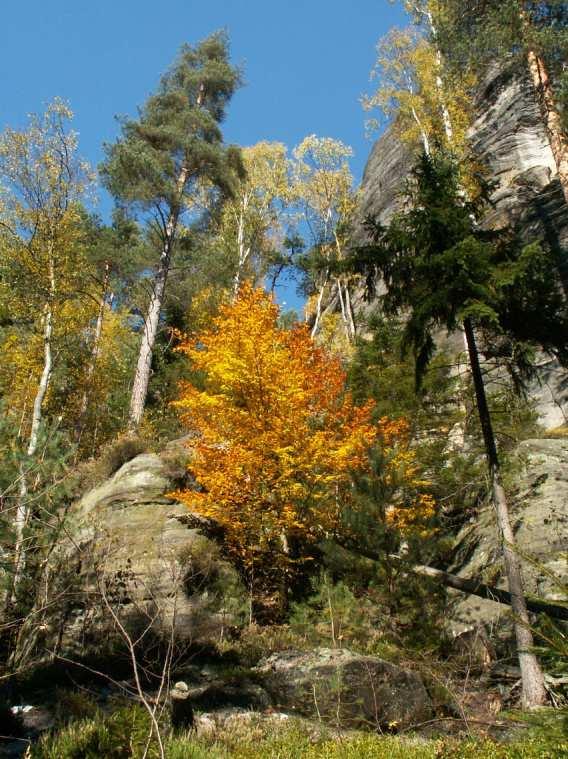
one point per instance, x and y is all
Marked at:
(161, 157)
(443, 272)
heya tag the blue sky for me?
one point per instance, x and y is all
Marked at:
(306, 63)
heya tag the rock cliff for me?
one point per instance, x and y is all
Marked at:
(509, 138)
(130, 547)
(539, 513)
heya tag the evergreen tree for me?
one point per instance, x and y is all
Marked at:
(162, 157)
(443, 272)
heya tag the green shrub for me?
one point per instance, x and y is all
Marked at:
(121, 735)
(72, 705)
(120, 452)
(255, 642)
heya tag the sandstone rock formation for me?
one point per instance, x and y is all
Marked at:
(540, 519)
(509, 139)
(345, 688)
(129, 540)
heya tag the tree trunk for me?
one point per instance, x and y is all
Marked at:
(343, 308)
(446, 119)
(22, 509)
(533, 690)
(243, 249)
(423, 135)
(144, 365)
(350, 313)
(95, 350)
(151, 322)
(551, 117)
(319, 302)
(463, 584)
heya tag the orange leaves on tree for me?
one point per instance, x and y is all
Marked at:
(411, 509)
(277, 434)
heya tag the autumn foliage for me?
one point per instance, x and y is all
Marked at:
(277, 434)
(278, 440)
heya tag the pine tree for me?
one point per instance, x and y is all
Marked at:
(443, 272)
(162, 157)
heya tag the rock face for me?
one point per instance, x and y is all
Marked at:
(346, 688)
(509, 138)
(136, 548)
(539, 515)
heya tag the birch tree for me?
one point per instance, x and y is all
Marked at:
(323, 190)
(160, 159)
(430, 105)
(42, 181)
(252, 221)
(401, 55)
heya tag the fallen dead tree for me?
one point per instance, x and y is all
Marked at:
(465, 585)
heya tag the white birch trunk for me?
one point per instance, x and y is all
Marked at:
(446, 119)
(242, 249)
(22, 509)
(323, 285)
(95, 351)
(343, 305)
(423, 135)
(350, 313)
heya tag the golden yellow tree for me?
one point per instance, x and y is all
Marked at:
(323, 191)
(277, 435)
(251, 224)
(432, 106)
(43, 181)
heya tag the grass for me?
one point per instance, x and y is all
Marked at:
(124, 734)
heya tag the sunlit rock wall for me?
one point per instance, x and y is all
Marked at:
(509, 138)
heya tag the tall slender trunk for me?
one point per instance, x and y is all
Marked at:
(350, 312)
(423, 135)
(344, 297)
(533, 690)
(551, 117)
(446, 118)
(152, 320)
(22, 509)
(242, 248)
(95, 350)
(346, 309)
(343, 308)
(315, 328)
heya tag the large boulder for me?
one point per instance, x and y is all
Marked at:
(132, 548)
(346, 688)
(539, 515)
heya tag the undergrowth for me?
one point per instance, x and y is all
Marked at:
(125, 732)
